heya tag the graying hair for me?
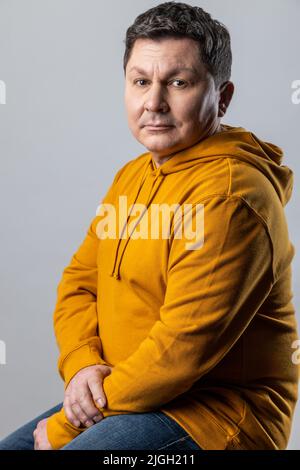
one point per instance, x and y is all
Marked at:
(179, 20)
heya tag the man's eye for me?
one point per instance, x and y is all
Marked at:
(140, 80)
(176, 80)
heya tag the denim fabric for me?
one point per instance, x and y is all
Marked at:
(133, 431)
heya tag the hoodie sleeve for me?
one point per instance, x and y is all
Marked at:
(76, 327)
(75, 321)
(75, 315)
(212, 294)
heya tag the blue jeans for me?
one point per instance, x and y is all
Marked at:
(132, 431)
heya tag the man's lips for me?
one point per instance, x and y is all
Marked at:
(157, 127)
(158, 124)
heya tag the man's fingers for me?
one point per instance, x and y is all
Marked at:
(97, 391)
(98, 418)
(35, 446)
(85, 395)
(81, 415)
(88, 406)
(82, 405)
(69, 413)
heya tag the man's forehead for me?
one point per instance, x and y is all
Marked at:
(170, 69)
(149, 54)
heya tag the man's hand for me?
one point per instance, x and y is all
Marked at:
(83, 393)
(40, 436)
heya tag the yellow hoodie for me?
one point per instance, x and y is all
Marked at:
(205, 335)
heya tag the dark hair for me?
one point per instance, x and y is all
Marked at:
(176, 19)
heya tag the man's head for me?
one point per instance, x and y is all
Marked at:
(177, 66)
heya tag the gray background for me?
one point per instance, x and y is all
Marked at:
(64, 134)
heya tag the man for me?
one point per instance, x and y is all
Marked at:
(179, 342)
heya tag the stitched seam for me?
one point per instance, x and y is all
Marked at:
(166, 423)
(182, 439)
(255, 213)
(230, 176)
(264, 223)
(87, 343)
(240, 421)
(166, 412)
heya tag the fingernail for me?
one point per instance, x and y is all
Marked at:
(100, 402)
(97, 418)
(89, 423)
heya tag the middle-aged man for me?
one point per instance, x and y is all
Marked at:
(182, 341)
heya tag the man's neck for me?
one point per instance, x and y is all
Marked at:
(157, 162)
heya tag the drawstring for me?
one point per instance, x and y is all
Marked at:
(116, 271)
(113, 274)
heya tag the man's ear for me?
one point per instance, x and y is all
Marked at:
(226, 92)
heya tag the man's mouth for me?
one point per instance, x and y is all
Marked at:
(157, 127)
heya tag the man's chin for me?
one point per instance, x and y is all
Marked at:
(159, 147)
(159, 152)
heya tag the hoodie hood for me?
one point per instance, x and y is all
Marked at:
(231, 142)
(240, 144)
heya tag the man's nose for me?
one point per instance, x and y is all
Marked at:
(155, 99)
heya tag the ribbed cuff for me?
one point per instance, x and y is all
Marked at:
(83, 356)
(60, 431)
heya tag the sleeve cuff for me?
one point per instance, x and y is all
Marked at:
(83, 356)
(60, 431)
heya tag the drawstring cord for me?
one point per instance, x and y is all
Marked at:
(115, 272)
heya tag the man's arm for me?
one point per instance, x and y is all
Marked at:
(212, 295)
(75, 315)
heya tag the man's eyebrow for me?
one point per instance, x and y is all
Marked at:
(171, 72)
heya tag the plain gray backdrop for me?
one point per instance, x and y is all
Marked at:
(64, 134)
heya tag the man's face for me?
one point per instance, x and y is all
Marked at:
(156, 93)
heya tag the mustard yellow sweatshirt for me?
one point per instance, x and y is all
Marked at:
(201, 329)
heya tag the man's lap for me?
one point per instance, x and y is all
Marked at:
(132, 431)
(22, 438)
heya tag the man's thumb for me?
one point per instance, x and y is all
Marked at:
(96, 387)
